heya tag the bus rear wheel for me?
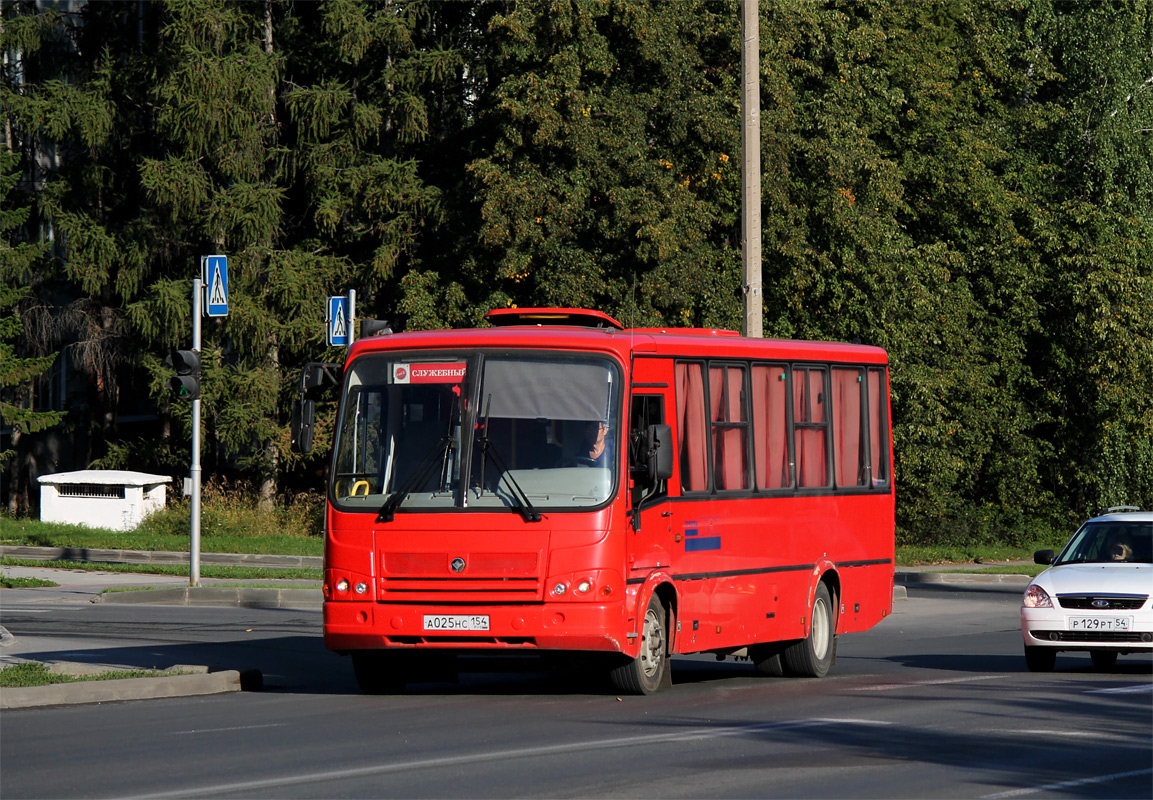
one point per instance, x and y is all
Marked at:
(768, 659)
(649, 671)
(812, 656)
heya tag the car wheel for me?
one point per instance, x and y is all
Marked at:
(1040, 659)
(1103, 659)
(650, 669)
(812, 656)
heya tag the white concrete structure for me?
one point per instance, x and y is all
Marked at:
(101, 498)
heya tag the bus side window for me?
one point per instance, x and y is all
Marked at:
(878, 428)
(770, 426)
(811, 427)
(730, 426)
(693, 428)
(849, 434)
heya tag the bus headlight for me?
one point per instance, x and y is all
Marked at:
(342, 585)
(560, 589)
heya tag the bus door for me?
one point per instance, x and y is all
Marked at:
(650, 537)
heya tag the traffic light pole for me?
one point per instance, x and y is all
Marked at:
(194, 470)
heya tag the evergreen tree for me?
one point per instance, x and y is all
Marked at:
(17, 260)
(612, 177)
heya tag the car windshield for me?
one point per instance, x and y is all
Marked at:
(1110, 541)
(477, 431)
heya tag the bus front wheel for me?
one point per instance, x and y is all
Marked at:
(812, 656)
(379, 673)
(649, 671)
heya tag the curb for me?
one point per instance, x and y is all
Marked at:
(121, 689)
(961, 577)
(231, 596)
(96, 555)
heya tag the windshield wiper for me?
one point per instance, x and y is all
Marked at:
(437, 457)
(521, 505)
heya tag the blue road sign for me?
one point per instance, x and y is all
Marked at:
(338, 323)
(214, 273)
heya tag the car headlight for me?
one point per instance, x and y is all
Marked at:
(1036, 597)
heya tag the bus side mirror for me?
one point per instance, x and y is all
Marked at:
(659, 447)
(303, 418)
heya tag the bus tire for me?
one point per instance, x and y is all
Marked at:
(812, 656)
(768, 659)
(649, 671)
(379, 673)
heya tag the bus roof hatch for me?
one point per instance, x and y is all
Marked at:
(578, 317)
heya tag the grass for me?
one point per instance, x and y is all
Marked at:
(33, 673)
(1032, 570)
(236, 585)
(231, 573)
(24, 583)
(230, 522)
(919, 555)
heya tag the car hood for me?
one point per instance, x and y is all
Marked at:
(1097, 579)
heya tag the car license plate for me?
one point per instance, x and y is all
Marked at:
(1099, 623)
(456, 622)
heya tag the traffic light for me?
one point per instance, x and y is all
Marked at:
(186, 384)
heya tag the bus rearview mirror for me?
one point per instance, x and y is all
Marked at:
(303, 418)
(659, 446)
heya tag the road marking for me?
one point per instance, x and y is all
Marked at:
(234, 728)
(881, 687)
(1070, 734)
(1068, 784)
(697, 734)
(1143, 687)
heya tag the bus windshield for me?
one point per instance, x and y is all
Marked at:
(476, 430)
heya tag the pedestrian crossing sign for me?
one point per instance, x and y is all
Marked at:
(214, 273)
(338, 323)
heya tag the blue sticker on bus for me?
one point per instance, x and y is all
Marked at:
(700, 535)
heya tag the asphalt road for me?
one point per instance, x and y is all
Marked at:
(934, 702)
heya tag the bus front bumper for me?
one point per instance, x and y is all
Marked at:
(350, 625)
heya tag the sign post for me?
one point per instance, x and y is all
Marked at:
(194, 470)
(209, 298)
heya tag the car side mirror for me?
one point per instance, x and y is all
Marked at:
(301, 425)
(1044, 557)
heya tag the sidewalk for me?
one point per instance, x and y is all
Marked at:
(83, 587)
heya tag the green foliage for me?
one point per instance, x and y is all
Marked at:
(17, 260)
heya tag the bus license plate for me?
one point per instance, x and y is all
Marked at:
(1100, 624)
(456, 622)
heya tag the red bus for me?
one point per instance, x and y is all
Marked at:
(558, 485)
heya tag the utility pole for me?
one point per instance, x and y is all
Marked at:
(751, 166)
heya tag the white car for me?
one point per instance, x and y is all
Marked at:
(1095, 596)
